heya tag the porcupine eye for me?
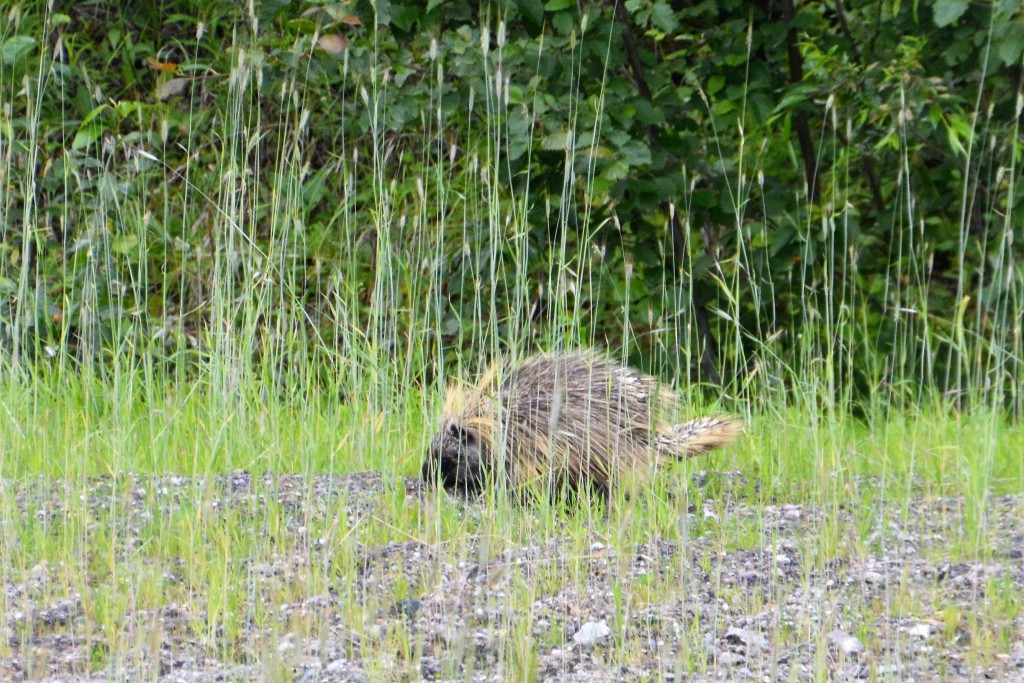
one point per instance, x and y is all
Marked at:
(467, 439)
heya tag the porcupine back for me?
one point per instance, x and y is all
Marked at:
(576, 418)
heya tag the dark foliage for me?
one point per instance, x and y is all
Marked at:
(823, 184)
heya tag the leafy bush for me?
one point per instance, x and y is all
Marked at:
(744, 192)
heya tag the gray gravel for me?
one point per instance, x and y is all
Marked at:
(892, 606)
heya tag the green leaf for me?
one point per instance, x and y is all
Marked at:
(664, 18)
(796, 96)
(563, 22)
(126, 108)
(7, 130)
(172, 88)
(383, 8)
(559, 5)
(648, 114)
(270, 9)
(532, 11)
(557, 141)
(954, 141)
(301, 26)
(948, 11)
(636, 153)
(93, 114)
(126, 244)
(1010, 47)
(86, 136)
(16, 47)
(404, 17)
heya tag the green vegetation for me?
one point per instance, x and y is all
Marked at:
(261, 238)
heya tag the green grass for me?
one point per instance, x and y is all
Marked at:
(136, 541)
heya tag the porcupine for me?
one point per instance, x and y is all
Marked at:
(560, 422)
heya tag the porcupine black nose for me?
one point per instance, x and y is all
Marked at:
(427, 471)
(431, 464)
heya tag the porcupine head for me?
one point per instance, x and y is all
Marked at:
(460, 451)
(456, 453)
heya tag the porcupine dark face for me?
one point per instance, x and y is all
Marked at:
(457, 455)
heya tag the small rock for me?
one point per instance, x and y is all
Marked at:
(921, 630)
(40, 574)
(556, 662)
(730, 658)
(407, 608)
(345, 670)
(873, 577)
(59, 613)
(591, 632)
(317, 602)
(847, 644)
(262, 569)
(597, 546)
(890, 669)
(749, 638)
(430, 668)
(310, 668)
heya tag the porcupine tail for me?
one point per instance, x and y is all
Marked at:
(698, 437)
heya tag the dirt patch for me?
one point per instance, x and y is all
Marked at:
(326, 605)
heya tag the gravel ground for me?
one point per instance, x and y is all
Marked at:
(763, 614)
